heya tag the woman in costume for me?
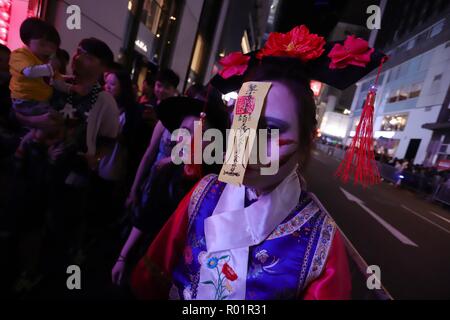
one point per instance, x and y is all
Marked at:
(168, 183)
(268, 238)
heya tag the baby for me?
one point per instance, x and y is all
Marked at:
(34, 72)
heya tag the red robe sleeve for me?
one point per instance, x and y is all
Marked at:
(151, 278)
(335, 281)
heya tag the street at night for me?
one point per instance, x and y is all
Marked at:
(407, 236)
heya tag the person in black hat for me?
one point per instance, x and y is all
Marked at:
(160, 145)
(267, 238)
(168, 182)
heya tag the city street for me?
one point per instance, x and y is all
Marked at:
(406, 236)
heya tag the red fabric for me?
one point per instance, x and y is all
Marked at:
(233, 64)
(162, 255)
(335, 281)
(297, 43)
(355, 51)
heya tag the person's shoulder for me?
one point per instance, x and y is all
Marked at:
(106, 97)
(203, 186)
(22, 53)
(21, 50)
(107, 100)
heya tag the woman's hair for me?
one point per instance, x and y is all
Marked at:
(291, 73)
(126, 98)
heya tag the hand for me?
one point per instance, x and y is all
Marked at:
(29, 136)
(54, 151)
(131, 200)
(118, 272)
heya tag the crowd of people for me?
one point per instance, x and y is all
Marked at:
(88, 176)
(417, 176)
(425, 179)
(84, 158)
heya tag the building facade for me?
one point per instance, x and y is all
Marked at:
(413, 87)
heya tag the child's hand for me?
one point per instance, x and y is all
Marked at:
(55, 64)
(54, 151)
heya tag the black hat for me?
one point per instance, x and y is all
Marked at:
(98, 49)
(172, 111)
(318, 68)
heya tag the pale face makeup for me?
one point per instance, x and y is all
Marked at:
(280, 112)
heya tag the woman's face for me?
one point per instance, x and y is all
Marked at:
(112, 85)
(280, 112)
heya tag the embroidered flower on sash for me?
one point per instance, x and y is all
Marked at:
(225, 274)
(229, 272)
(228, 286)
(212, 262)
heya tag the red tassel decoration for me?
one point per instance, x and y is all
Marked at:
(359, 159)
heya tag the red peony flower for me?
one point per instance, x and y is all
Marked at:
(298, 43)
(355, 51)
(233, 64)
(229, 272)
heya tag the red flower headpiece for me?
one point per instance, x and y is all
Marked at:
(300, 43)
(297, 43)
(234, 64)
(355, 51)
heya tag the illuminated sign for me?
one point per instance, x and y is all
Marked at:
(141, 45)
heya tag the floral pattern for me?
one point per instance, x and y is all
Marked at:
(234, 64)
(225, 275)
(258, 268)
(354, 51)
(297, 43)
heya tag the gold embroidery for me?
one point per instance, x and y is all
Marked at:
(198, 195)
(322, 249)
(296, 222)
